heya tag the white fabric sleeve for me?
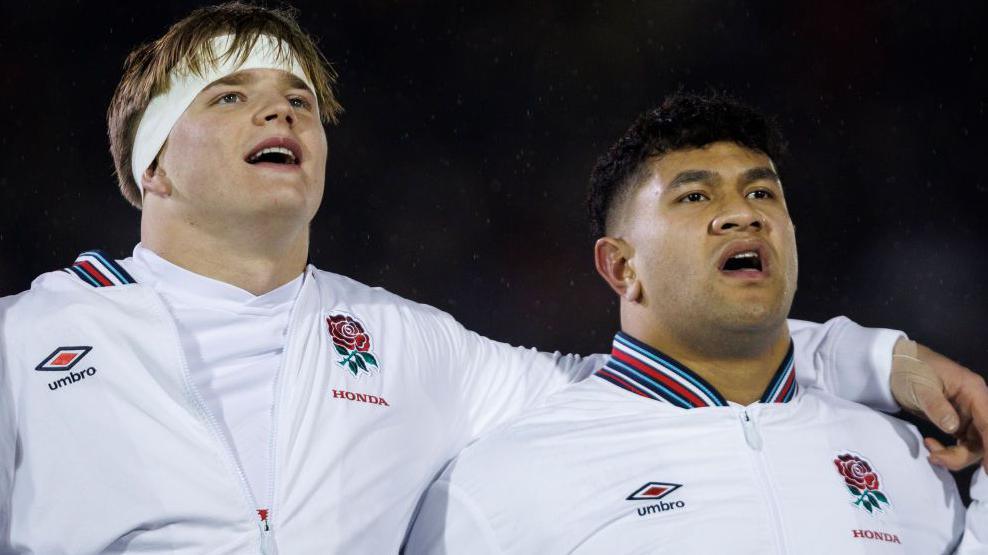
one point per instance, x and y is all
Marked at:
(491, 382)
(8, 442)
(846, 360)
(449, 523)
(975, 540)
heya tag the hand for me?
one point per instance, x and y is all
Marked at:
(949, 395)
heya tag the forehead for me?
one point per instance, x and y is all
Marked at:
(256, 76)
(727, 160)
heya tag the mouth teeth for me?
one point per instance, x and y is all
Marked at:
(747, 260)
(276, 154)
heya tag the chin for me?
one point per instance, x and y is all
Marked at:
(754, 317)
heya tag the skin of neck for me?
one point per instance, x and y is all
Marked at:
(257, 255)
(739, 361)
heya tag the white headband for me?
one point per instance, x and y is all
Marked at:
(165, 109)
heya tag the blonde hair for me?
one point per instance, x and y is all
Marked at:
(188, 42)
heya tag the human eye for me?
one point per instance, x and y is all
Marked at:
(299, 102)
(695, 196)
(229, 98)
(761, 194)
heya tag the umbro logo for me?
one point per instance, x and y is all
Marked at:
(653, 491)
(62, 360)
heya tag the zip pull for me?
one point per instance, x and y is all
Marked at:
(751, 434)
(267, 538)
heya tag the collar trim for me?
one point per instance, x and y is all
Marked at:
(646, 371)
(97, 269)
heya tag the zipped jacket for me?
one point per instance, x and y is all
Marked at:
(106, 446)
(647, 457)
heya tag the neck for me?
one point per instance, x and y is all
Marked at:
(255, 259)
(738, 364)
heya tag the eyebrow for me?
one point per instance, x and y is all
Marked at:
(706, 176)
(243, 78)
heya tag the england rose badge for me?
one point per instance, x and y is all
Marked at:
(862, 481)
(352, 343)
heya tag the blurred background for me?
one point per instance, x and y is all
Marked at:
(457, 175)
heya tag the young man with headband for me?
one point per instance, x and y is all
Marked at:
(213, 393)
(694, 437)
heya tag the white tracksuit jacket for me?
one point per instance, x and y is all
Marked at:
(105, 446)
(646, 457)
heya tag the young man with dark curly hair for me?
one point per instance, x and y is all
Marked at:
(695, 436)
(213, 393)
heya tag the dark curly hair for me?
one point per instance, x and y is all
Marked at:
(682, 121)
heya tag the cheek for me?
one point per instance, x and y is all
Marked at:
(670, 260)
(793, 254)
(192, 143)
(318, 149)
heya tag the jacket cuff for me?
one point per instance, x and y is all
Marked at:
(864, 366)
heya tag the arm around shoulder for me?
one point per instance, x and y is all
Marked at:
(492, 381)
(846, 360)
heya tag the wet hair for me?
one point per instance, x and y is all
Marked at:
(682, 121)
(148, 67)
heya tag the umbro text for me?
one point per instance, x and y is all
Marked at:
(361, 397)
(72, 378)
(660, 507)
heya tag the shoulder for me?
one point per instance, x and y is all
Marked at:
(91, 272)
(51, 288)
(337, 290)
(338, 286)
(864, 424)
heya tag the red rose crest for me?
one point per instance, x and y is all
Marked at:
(352, 343)
(861, 480)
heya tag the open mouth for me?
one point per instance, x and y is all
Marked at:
(276, 151)
(747, 260)
(275, 155)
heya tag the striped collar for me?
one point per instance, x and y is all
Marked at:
(97, 269)
(648, 372)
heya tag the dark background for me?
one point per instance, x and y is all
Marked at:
(457, 175)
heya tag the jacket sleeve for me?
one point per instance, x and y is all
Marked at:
(975, 540)
(491, 382)
(449, 523)
(846, 360)
(8, 436)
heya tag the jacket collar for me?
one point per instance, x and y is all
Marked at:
(648, 372)
(97, 269)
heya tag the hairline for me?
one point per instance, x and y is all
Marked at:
(645, 169)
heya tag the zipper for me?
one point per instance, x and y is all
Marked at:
(751, 434)
(268, 545)
(212, 424)
(754, 440)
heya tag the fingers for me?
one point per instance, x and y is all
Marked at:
(919, 388)
(955, 457)
(934, 404)
(976, 394)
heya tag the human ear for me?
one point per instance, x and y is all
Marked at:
(154, 181)
(612, 257)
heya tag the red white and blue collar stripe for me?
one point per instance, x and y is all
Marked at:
(648, 372)
(99, 270)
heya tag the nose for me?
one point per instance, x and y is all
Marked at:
(274, 110)
(738, 216)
